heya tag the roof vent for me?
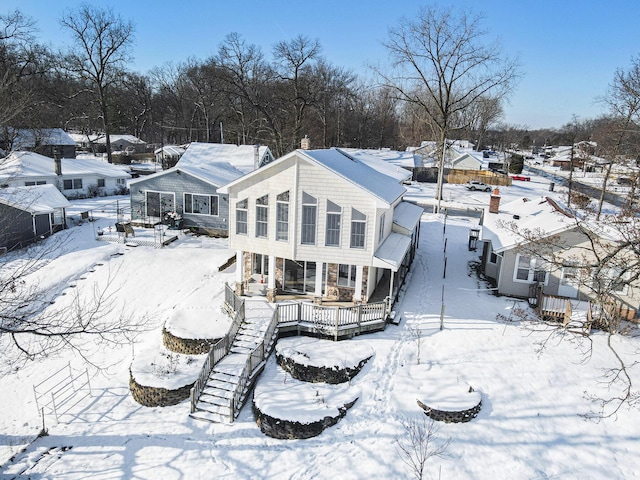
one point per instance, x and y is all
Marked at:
(516, 217)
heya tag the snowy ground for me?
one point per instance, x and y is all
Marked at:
(530, 425)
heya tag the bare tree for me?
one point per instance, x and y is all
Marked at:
(102, 41)
(602, 260)
(623, 100)
(420, 443)
(442, 64)
(38, 320)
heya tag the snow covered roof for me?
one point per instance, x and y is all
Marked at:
(30, 164)
(171, 150)
(390, 162)
(242, 157)
(540, 214)
(26, 138)
(38, 199)
(357, 172)
(407, 215)
(119, 138)
(392, 251)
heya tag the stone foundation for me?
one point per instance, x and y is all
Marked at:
(157, 396)
(288, 430)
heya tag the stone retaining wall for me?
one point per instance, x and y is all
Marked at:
(313, 374)
(451, 417)
(288, 430)
(188, 346)
(157, 396)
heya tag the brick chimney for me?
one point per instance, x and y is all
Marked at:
(305, 143)
(494, 201)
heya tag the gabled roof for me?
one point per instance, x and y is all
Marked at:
(119, 138)
(542, 215)
(171, 150)
(38, 199)
(242, 157)
(377, 184)
(26, 138)
(30, 164)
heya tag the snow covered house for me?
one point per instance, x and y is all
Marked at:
(514, 268)
(189, 193)
(74, 177)
(323, 224)
(45, 141)
(121, 143)
(393, 163)
(30, 213)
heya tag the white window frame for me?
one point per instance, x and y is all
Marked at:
(532, 271)
(262, 217)
(309, 212)
(332, 232)
(352, 272)
(361, 223)
(282, 217)
(189, 203)
(242, 217)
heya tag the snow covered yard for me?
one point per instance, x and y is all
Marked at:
(530, 424)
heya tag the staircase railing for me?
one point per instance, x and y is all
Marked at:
(254, 359)
(219, 349)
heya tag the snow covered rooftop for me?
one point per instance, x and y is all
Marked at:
(242, 157)
(38, 199)
(30, 164)
(357, 172)
(390, 162)
(540, 214)
(26, 138)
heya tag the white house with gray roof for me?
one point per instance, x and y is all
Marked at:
(74, 177)
(324, 224)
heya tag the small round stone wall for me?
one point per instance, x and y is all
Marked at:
(313, 374)
(188, 346)
(288, 430)
(157, 396)
(451, 417)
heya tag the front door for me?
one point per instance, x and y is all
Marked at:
(299, 277)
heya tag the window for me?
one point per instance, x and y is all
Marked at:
(530, 270)
(358, 227)
(347, 275)
(381, 231)
(262, 211)
(332, 234)
(32, 184)
(309, 208)
(493, 258)
(241, 217)
(282, 216)
(200, 204)
(101, 183)
(120, 181)
(613, 279)
(72, 184)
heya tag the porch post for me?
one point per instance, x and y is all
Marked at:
(357, 294)
(271, 279)
(391, 281)
(318, 286)
(239, 272)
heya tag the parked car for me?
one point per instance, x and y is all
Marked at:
(521, 177)
(474, 185)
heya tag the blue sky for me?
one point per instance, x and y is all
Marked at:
(569, 50)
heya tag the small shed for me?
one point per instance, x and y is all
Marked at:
(30, 213)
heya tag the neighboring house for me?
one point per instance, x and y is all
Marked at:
(190, 189)
(30, 213)
(74, 177)
(323, 224)
(505, 262)
(169, 154)
(50, 142)
(121, 143)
